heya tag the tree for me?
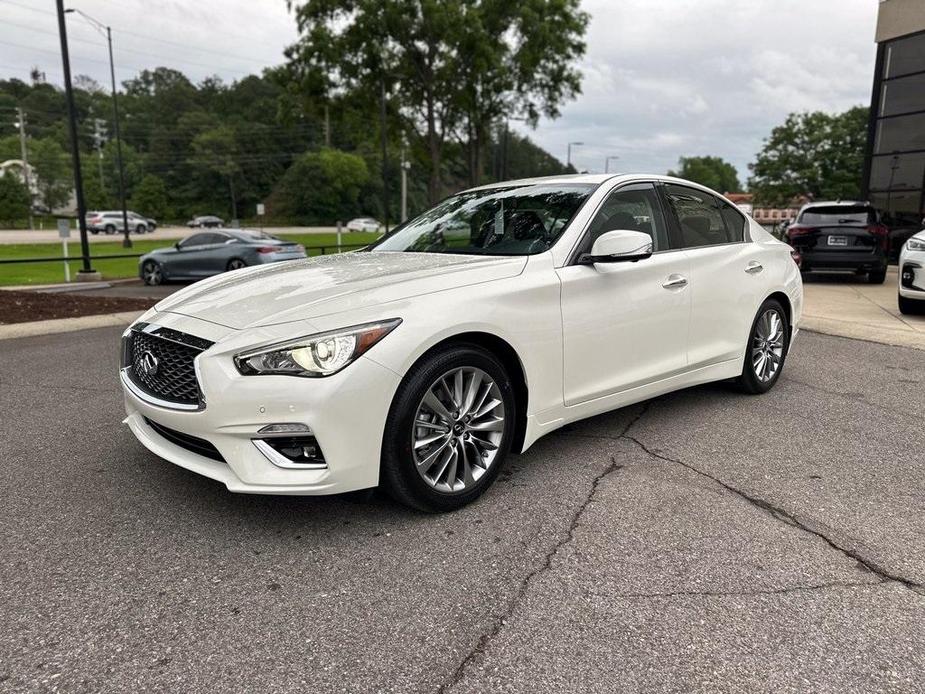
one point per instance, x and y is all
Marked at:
(150, 197)
(14, 199)
(53, 170)
(712, 172)
(320, 188)
(816, 154)
(217, 150)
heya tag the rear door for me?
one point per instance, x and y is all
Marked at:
(725, 273)
(625, 324)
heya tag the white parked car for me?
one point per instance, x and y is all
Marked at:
(363, 224)
(497, 317)
(912, 275)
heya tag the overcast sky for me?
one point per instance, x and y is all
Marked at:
(662, 78)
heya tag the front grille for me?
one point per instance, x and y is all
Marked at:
(161, 363)
(193, 444)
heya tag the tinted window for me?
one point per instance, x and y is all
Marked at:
(634, 207)
(897, 171)
(513, 220)
(196, 240)
(904, 56)
(699, 217)
(735, 222)
(842, 214)
(900, 134)
(904, 95)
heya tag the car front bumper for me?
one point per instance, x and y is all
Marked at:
(346, 413)
(912, 274)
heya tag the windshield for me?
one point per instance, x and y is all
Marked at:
(519, 220)
(842, 214)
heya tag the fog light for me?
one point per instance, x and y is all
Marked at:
(283, 429)
(292, 452)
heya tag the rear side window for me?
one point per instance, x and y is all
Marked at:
(834, 216)
(699, 217)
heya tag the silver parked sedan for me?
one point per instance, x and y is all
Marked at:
(212, 252)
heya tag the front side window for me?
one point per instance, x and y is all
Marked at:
(635, 208)
(517, 220)
(699, 217)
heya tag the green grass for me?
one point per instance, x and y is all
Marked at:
(50, 273)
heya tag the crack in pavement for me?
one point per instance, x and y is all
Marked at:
(791, 519)
(749, 593)
(500, 620)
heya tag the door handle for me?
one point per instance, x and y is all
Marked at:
(754, 267)
(675, 282)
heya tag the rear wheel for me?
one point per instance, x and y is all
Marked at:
(110, 229)
(767, 349)
(449, 430)
(236, 264)
(876, 276)
(910, 307)
(151, 273)
(140, 229)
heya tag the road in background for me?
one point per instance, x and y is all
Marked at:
(14, 236)
(705, 541)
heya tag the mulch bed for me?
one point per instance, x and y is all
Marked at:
(22, 307)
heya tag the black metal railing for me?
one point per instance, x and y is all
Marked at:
(323, 250)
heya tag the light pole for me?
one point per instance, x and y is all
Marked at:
(607, 163)
(104, 29)
(87, 271)
(568, 159)
(25, 160)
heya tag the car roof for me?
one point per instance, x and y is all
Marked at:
(837, 203)
(594, 179)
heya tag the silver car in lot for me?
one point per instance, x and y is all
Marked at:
(210, 253)
(111, 222)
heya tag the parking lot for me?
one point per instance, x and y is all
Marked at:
(704, 541)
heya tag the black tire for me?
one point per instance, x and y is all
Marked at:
(151, 273)
(876, 276)
(235, 264)
(910, 307)
(141, 229)
(749, 381)
(398, 472)
(110, 229)
(94, 231)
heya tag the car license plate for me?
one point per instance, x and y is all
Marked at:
(838, 240)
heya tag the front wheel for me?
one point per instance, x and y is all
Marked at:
(151, 273)
(110, 229)
(768, 342)
(449, 430)
(141, 229)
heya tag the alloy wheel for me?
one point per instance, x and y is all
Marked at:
(236, 264)
(768, 345)
(151, 274)
(457, 429)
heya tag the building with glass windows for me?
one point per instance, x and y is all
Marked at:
(894, 165)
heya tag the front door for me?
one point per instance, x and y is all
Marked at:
(625, 324)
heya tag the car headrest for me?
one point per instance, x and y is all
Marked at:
(526, 225)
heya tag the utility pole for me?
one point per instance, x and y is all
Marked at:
(385, 155)
(27, 176)
(98, 137)
(405, 165)
(87, 271)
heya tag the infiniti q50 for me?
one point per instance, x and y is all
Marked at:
(498, 316)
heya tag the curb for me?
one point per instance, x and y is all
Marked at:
(67, 325)
(884, 336)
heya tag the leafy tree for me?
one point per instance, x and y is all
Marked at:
(816, 154)
(712, 172)
(52, 168)
(217, 150)
(150, 198)
(320, 187)
(14, 199)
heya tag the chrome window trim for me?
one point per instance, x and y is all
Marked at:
(279, 460)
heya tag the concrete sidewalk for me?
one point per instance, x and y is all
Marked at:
(847, 306)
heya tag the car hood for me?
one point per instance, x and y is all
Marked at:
(302, 289)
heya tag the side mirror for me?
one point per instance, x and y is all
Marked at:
(177, 246)
(619, 246)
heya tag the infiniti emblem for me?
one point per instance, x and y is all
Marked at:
(147, 363)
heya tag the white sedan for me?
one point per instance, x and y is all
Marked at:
(363, 224)
(912, 275)
(502, 314)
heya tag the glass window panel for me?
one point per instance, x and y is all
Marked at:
(904, 56)
(698, 215)
(634, 208)
(899, 209)
(897, 171)
(904, 95)
(900, 134)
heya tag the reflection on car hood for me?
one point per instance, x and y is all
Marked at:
(301, 289)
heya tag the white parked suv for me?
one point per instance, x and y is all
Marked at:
(912, 275)
(500, 315)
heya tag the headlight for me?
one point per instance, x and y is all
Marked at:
(316, 355)
(915, 245)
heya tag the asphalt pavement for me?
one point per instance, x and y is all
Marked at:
(704, 541)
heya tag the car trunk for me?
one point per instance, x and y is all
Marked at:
(840, 238)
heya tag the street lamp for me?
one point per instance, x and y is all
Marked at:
(107, 31)
(607, 163)
(568, 159)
